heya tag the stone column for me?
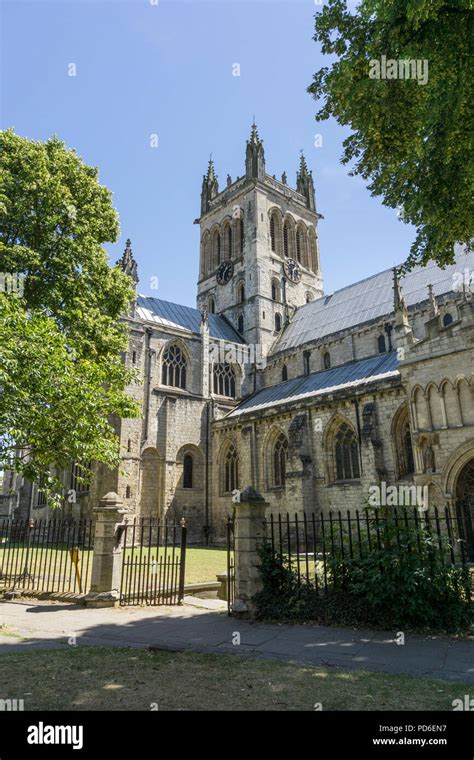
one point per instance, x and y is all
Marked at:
(107, 558)
(250, 532)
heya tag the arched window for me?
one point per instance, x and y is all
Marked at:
(280, 454)
(313, 250)
(309, 297)
(447, 319)
(285, 240)
(229, 242)
(128, 492)
(206, 253)
(306, 358)
(284, 373)
(188, 471)
(240, 324)
(272, 233)
(212, 305)
(231, 470)
(327, 360)
(275, 290)
(381, 344)
(79, 477)
(403, 444)
(277, 322)
(298, 246)
(242, 235)
(173, 371)
(241, 293)
(346, 453)
(224, 380)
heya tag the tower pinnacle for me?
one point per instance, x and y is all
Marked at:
(210, 186)
(255, 156)
(305, 184)
(128, 263)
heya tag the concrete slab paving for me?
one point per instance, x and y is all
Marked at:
(198, 628)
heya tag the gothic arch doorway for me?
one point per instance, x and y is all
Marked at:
(465, 505)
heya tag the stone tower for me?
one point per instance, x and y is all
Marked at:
(259, 255)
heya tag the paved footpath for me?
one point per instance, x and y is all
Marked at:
(203, 626)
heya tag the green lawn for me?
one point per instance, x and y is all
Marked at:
(93, 678)
(202, 564)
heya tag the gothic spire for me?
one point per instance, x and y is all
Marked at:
(399, 305)
(432, 299)
(305, 184)
(128, 263)
(254, 156)
(210, 186)
(254, 138)
(211, 175)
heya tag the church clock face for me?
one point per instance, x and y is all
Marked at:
(292, 270)
(225, 272)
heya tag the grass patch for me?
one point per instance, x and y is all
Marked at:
(6, 631)
(202, 564)
(95, 678)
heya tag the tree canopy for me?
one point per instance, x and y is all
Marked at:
(62, 376)
(411, 123)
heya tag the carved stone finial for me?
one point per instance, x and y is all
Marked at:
(433, 303)
(128, 263)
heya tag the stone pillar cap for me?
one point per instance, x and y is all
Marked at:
(111, 501)
(250, 494)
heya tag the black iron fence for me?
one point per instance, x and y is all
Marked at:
(154, 562)
(46, 555)
(315, 547)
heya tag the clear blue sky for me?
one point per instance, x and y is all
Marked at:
(166, 69)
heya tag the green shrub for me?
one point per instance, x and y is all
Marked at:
(399, 580)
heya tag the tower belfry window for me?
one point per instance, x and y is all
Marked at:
(272, 233)
(229, 241)
(285, 239)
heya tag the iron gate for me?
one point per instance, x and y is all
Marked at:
(154, 562)
(465, 515)
(230, 565)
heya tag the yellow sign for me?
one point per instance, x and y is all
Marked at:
(75, 559)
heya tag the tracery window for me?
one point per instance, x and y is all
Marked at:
(173, 371)
(280, 455)
(346, 451)
(224, 380)
(231, 470)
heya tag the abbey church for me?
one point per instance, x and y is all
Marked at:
(310, 397)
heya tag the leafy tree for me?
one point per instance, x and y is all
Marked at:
(411, 140)
(62, 377)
